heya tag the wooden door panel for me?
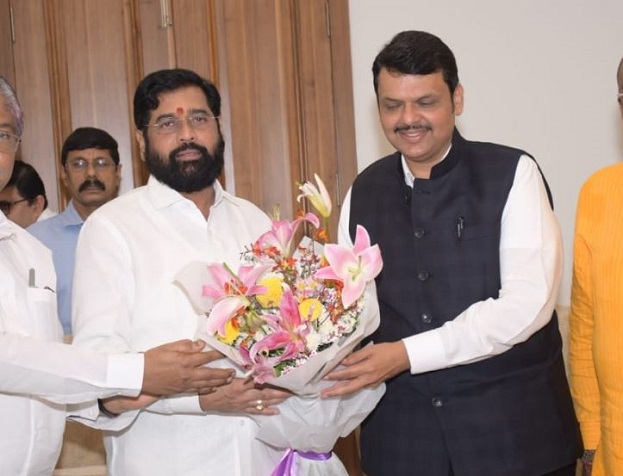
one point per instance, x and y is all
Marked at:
(343, 104)
(156, 36)
(178, 34)
(6, 42)
(195, 37)
(258, 46)
(32, 83)
(316, 96)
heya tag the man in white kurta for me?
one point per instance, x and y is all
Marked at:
(34, 362)
(125, 297)
(39, 374)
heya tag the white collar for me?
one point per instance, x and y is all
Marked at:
(7, 227)
(409, 177)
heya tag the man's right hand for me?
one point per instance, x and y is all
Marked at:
(177, 367)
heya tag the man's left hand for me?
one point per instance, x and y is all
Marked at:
(368, 367)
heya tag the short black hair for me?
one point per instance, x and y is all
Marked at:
(154, 84)
(90, 138)
(27, 182)
(416, 52)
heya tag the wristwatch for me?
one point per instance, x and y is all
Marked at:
(588, 456)
(105, 411)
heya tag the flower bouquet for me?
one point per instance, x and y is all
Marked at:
(290, 313)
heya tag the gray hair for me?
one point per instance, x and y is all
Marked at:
(12, 104)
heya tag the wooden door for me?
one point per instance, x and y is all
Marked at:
(24, 63)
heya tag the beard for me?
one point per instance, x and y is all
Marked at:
(187, 176)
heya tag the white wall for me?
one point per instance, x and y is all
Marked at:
(538, 75)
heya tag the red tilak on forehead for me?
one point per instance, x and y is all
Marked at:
(179, 111)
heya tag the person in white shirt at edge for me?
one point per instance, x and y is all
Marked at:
(39, 374)
(125, 298)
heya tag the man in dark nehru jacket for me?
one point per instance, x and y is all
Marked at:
(468, 343)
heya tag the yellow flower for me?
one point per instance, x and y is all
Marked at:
(274, 291)
(231, 333)
(310, 309)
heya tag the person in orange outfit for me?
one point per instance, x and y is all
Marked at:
(596, 320)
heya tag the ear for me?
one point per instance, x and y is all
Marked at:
(38, 205)
(118, 173)
(64, 176)
(457, 99)
(141, 143)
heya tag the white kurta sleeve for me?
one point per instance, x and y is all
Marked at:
(62, 374)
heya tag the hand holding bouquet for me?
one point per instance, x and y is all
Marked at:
(289, 314)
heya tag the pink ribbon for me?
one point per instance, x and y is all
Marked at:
(287, 465)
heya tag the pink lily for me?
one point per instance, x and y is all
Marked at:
(289, 334)
(227, 283)
(354, 267)
(231, 292)
(262, 366)
(223, 311)
(282, 234)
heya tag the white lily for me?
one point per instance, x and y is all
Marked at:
(318, 196)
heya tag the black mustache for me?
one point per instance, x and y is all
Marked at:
(411, 127)
(187, 146)
(92, 183)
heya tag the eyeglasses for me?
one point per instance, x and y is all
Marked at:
(99, 164)
(8, 142)
(6, 206)
(172, 124)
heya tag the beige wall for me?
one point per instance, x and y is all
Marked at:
(539, 75)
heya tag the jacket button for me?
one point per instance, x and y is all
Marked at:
(437, 402)
(419, 232)
(426, 319)
(423, 275)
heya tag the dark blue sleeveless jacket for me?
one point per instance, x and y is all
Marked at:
(507, 415)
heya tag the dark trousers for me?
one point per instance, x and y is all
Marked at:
(566, 471)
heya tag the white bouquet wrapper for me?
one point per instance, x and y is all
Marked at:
(299, 380)
(306, 423)
(315, 423)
